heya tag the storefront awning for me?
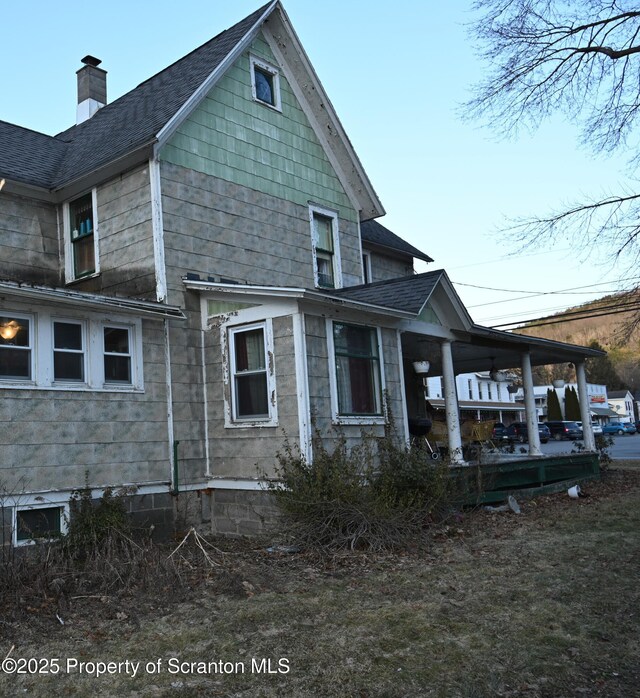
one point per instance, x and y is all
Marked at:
(603, 412)
(484, 406)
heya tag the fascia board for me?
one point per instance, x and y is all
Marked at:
(196, 98)
(317, 297)
(65, 296)
(13, 186)
(371, 206)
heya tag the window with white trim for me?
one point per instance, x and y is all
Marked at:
(251, 381)
(38, 523)
(81, 237)
(68, 352)
(357, 370)
(117, 355)
(265, 83)
(89, 353)
(326, 257)
(16, 348)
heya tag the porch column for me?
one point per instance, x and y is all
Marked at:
(585, 413)
(451, 404)
(530, 406)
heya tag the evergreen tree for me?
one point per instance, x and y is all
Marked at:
(554, 412)
(571, 404)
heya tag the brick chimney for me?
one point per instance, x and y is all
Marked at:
(92, 88)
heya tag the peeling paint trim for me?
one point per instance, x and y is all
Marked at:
(205, 401)
(157, 226)
(302, 386)
(168, 379)
(403, 390)
(187, 108)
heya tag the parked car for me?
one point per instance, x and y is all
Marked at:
(619, 428)
(518, 431)
(564, 430)
(499, 431)
(596, 427)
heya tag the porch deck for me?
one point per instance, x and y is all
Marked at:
(486, 483)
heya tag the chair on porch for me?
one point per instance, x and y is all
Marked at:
(479, 437)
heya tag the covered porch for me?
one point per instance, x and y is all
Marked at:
(442, 340)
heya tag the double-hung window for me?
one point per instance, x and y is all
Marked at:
(324, 235)
(81, 237)
(16, 348)
(47, 351)
(249, 373)
(357, 368)
(68, 352)
(117, 355)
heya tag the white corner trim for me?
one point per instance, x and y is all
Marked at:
(158, 230)
(205, 401)
(403, 390)
(168, 382)
(302, 385)
(170, 127)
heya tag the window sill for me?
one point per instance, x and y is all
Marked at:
(71, 388)
(73, 282)
(273, 107)
(251, 424)
(358, 420)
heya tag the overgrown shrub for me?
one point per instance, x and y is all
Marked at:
(376, 494)
(92, 521)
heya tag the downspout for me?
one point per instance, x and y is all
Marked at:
(176, 481)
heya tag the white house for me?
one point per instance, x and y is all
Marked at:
(621, 402)
(480, 396)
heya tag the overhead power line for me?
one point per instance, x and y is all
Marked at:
(598, 311)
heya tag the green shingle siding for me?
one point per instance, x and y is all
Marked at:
(237, 139)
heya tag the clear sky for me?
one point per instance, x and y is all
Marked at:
(397, 74)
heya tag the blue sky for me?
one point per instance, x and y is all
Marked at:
(397, 74)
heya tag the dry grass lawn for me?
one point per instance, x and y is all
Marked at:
(541, 604)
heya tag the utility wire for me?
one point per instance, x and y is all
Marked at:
(599, 311)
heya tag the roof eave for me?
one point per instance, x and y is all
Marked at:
(132, 306)
(324, 299)
(200, 93)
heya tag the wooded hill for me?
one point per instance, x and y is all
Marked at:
(604, 323)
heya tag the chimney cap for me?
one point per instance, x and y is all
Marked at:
(91, 60)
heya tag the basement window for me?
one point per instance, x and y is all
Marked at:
(38, 524)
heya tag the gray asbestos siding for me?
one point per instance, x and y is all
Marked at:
(248, 452)
(220, 229)
(60, 439)
(29, 249)
(125, 237)
(187, 392)
(385, 267)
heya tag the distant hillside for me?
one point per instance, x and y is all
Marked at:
(598, 322)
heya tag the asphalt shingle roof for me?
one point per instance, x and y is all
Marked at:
(375, 233)
(28, 156)
(120, 127)
(408, 294)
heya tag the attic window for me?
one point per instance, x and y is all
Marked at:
(265, 83)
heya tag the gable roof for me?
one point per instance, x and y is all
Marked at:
(376, 234)
(135, 122)
(617, 394)
(408, 294)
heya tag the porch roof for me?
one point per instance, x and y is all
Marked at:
(474, 347)
(484, 405)
(131, 306)
(604, 412)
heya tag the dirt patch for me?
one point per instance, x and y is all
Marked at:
(494, 604)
